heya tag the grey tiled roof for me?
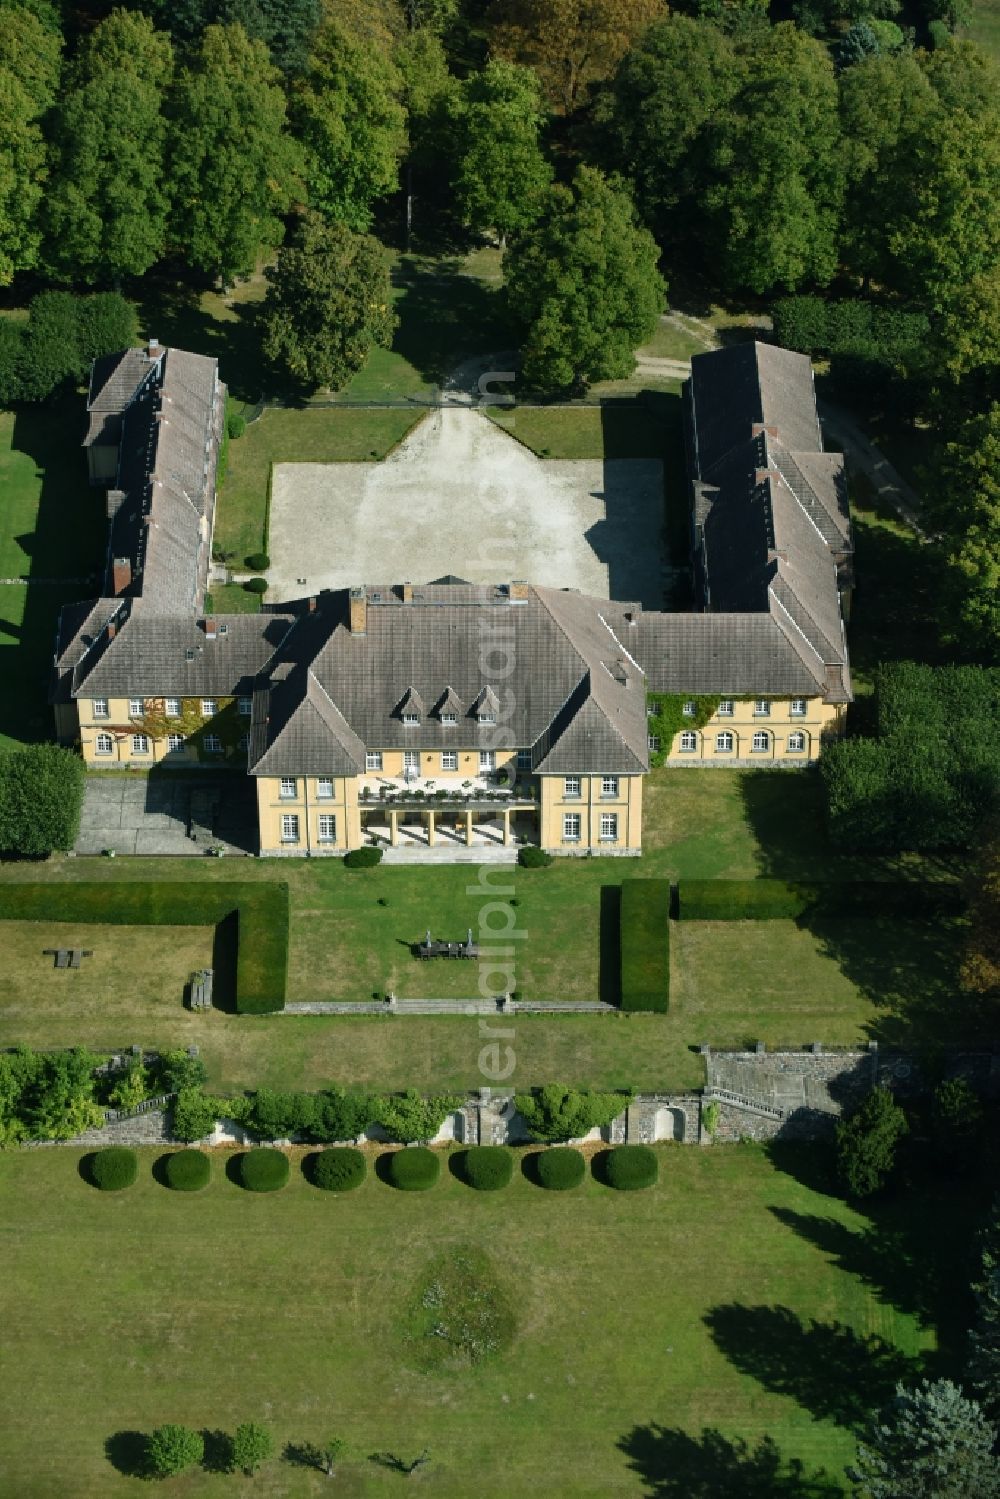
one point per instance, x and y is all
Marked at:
(114, 380)
(734, 655)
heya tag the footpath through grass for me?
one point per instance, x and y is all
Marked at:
(655, 1329)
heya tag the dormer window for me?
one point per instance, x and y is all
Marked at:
(410, 719)
(449, 718)
(486, 717)
(410, 708)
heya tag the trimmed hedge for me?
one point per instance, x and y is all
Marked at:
(187, 1170)
(413, 1170)
(487, 1168)
(530, 857)
(645, 945)
(777, 900)
(560, 1169)
(363, 858)
(630, 1168)
(255, 585)
(259, 911)
(259, 561)
(340, 1169)
(264, 1170)
(114, 1168)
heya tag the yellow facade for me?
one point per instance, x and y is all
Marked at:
(576, 811)
(766, 731)
(308, 814)
(115, 733)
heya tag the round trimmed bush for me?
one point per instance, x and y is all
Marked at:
(363, 858)
(559, 1170)
(530, 857)
(413, 1170)
(629, 1168)
(187, 1170)
(487, 1168)
(256, 585)
(264, 1170)
(259, 561)
(236, 424)
(339, 1169)
(114, 1168)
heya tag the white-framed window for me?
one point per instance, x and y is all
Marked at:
(208, 707)
(572, 786)
(572, 823)
(524, 759)
(289, 827)
(104, 745)
(609, 827)
(102, 708)
(689, 742)
(324, 788)
(761, 742)
(796, 743)
(761, 708)
(136, 707)
(173, 707)
(688, 709)
(609, 785)
(244, 743)
(653, 743)
(449, 759)
(373, 759)
(411, 762)
(289, 788)
(327, 828)
(725, 708)
(213, 744)
(724, 743)
(140, 744)
(245, 706)
(797, 707)
(175, 742)
(486, 716)
(410, 718)
(487, 761)
(449, 718)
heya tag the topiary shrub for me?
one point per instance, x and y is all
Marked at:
(236, 424)
(264, 1170)
(629, 1168)
(530, 857)
(259, 561)
(339, 1169)
(413, 1170)
(559, 1170)
(256, 585)
(113, 1168)
(187, 1170)
(487, 1168)
(363, 858)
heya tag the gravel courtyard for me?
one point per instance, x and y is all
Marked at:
(460, 496)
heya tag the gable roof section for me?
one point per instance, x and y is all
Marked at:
(306, 730)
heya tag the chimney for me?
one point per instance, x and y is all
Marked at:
(631, 618)
(519, 591)
(406, 592)
(359, 611)
(311, 604)
(112, 629)
(758, 428)
(209, 628)
(153, 350)
(761, 475)
(121, 575)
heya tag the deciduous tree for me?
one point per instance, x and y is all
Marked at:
(984, 1338)
(571, 44)
(171, 1449)
(252, 1446)
(502, 175)
(964, 504)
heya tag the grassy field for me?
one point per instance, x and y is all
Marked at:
(984, 27)
(742, 1301)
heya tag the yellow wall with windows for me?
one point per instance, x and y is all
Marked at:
(304, 801)
(819, 722)
(430, 767)
(121, 725)
(559, 800)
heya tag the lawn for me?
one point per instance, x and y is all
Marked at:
(656, 1330)
(984, 26)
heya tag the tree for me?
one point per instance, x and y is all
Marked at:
(328, 304)
(931, 1443)
(984, 1338)
(572, 44)
(775, 203)
(585, 285)
(956, 1121)
(408, 1116)
(679, 78)
(430, 96)
(964, 503)
(556, 1112)
(29, 76)
(502, 176)
(171, 1449)
(105, 210)
(41, 794)
(131, 1087)
(981, 962)
(348, 115)
(867, 1141)
(105, 324)
(235, 169)
(252, 1446)
(57, 1098)
(178, 1070)
(341, 1114)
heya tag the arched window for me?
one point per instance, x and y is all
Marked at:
(796, 744)
(761, 742)
(724, 743)
(689, 742)
(105, 745)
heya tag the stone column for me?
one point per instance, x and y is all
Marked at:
(430, 829)
(468, 829)
(506, 824)
(393, 828)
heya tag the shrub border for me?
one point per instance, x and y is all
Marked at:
(644, 935)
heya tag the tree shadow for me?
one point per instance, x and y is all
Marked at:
(784, 811)
(832, 1371)
(128, 1452)
(303, 1455)
(445, 317)
(219, 1452)
(896, 575)
(675, 1465)
(172, 312)
(609, 971)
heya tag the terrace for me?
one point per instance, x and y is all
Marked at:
(401, 812)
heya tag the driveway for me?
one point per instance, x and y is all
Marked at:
(168, 812)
